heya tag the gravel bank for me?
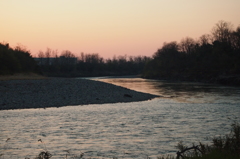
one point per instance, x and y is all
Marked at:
(19, 94)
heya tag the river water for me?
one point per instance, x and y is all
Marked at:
(188, 112)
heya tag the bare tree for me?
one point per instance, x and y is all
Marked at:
(205, 39)
(236, 39)
(21, 47)
(40, 54)
(222, 31)
(187, 45)
(55, 53)
(48, 53)
(82, 57)
(68, 58)
(68, 54)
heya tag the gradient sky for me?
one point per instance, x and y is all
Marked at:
(110, 27)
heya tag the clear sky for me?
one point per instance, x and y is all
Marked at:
(110, 27)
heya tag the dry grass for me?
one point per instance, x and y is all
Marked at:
(21, 76)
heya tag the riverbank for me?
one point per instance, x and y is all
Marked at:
(22, 76)
(58, 92)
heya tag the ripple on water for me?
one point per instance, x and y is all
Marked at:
(123, 130)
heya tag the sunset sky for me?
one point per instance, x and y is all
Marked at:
(110, 27)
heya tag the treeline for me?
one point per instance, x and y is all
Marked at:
(17, 60)
(88, 64)
(212, 57)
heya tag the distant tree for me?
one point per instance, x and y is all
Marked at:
(40, 54)
(187, 45)
(205, 39)
(48, 53)
(55, 53)
(208, 58)
(222, 31)
(236, 39)
(21, 48)
(16, 60)
(67, 54)
(167, 49)
(82, 57)
(28, 64)
(68, 61)
(8, 61)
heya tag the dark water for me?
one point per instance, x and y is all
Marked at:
(180, 91)
(188, 112)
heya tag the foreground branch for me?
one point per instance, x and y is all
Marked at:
(179, 153)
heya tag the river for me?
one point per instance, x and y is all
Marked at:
(188, 112)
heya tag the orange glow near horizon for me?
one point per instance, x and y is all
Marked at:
(110, 27)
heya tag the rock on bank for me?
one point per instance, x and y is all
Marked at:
(19, 94)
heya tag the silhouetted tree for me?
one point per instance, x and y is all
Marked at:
(205, 39)
(236, 39)
(208, 58)
(187, 45)
(16, 60)
(222, 31)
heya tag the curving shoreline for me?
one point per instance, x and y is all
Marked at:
(58, 92)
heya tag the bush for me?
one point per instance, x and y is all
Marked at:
(223, 147)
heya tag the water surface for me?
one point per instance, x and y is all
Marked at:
(188, 112)
(180, 91)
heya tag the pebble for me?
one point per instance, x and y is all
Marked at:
(58, 92)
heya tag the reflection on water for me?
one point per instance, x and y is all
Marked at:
(180, 91)
(123, 130)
